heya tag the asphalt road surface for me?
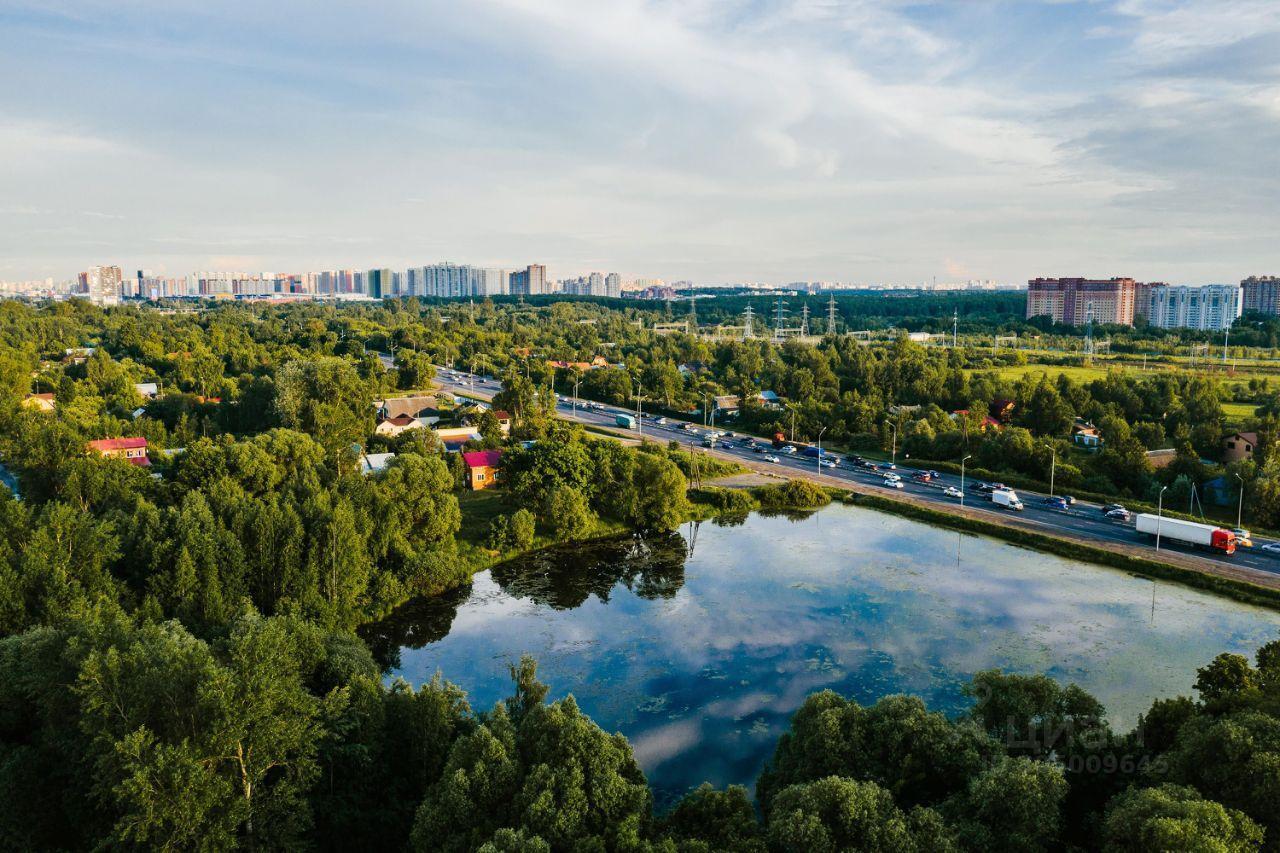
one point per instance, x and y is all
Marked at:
(1084, 520)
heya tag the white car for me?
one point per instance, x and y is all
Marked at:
(769, 457)
(1271, 548)
(896, 478)
(659, 420)
(952, 492)
(892, 484)
(788, 449)
(829, 464)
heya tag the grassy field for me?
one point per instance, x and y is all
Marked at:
(1237, 413)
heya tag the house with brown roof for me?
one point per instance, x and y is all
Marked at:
(392, 427)
(1239, 446)
(40, 402)
(1085, 434)
(132, 450)
(420, 406)
(484, 468)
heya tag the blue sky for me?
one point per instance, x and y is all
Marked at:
(773, 140)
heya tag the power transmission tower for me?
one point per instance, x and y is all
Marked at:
(748, 318)
(693, 312)
(831, 315)
(804, 320)
(955, 326)
(782, 312)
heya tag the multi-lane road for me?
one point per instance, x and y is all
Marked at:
(1082, 521)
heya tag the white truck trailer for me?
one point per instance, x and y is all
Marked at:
(1006, 498)
(1187, 532)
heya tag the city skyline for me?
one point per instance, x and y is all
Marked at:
(717, 142)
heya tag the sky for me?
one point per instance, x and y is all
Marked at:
(714, 140)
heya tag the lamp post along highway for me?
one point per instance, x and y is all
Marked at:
(893, 458)
(820, 432)
(1160, 515)
(1240, 504)
(1053, 464)
(962, 461)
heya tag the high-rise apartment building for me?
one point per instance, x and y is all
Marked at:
(1261, 294)
(102, 284)
(1210, 306)
(457, 280)
(613, 285)
(1076, 301)
(530, 281)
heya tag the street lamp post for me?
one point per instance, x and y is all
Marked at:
(577, 377)
(1160, 515)
(1053, 464)
(893, 459)
(820, 432)
(639, 410)
(1240, 505)
(962, 461)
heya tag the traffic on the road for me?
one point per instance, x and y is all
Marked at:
(1109, 522)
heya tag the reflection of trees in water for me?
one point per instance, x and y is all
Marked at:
(413, 625)
(651, 566)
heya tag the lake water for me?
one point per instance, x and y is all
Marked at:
(701, 659)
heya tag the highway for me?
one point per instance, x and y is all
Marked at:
(1083, 520)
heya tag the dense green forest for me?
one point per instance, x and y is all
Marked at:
(188, 654)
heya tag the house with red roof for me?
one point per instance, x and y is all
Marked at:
(484, 468)
(132, 450)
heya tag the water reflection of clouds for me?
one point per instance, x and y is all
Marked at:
(703, 682)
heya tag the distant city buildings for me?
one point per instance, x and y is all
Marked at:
(1261, 294)
(1076, 301)
(594, 284)
(530, 281)
(1209, 306)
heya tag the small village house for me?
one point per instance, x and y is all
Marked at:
(391, 427)
(133, 450)
(484, 468)
(1239, 446)
(40, 402)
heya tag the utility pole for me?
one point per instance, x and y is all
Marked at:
(693, 312)
(962, 461)
(955, 326)
(639, 410)
(831, 315)
(820, 432)
(893, 460)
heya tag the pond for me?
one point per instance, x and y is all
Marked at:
(700, 645)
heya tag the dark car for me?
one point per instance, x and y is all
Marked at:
(1069, 499)
(1109, 508)
(977, 486)
(1118, 514)
(1054, 502)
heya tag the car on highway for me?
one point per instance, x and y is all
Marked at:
(1243, 539)
(829, 464)
(709, 441)
(892, 476)
(891, 484)
(757, 448)
(888, 466)
(1271, 548)
(952, 492)
(1118, 514)
(1069, 499)
(1110, 507)
(1054, 502)
(935, 475)
(660, 421)
(788, 449)
(769, 457)
(921, 477)
(984, 488)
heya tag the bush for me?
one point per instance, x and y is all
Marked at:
(793, 494)
(521, 529)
